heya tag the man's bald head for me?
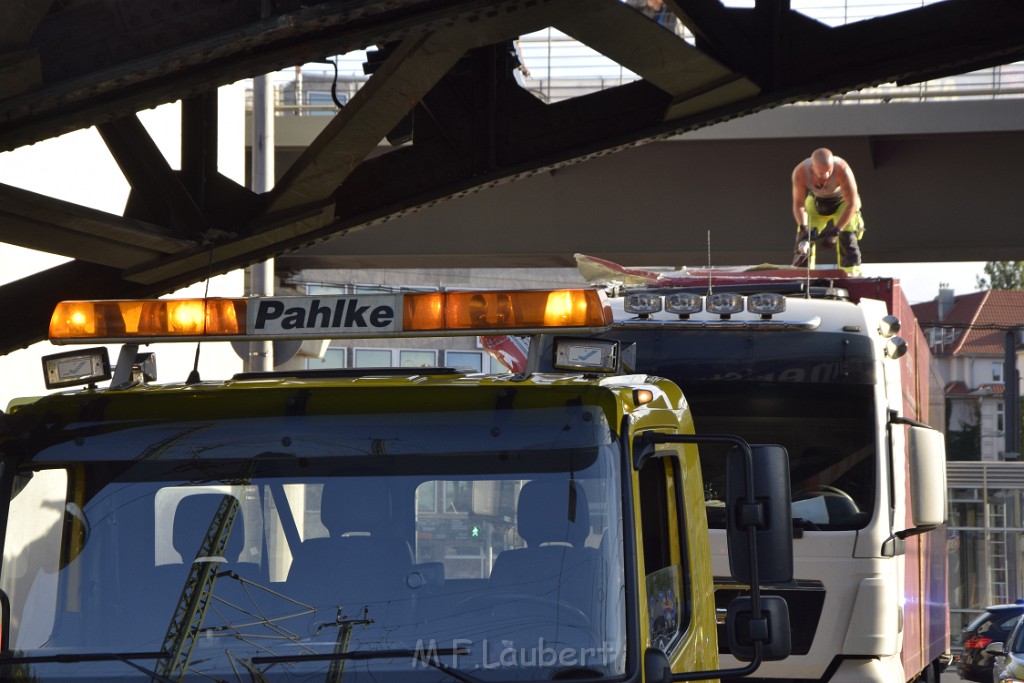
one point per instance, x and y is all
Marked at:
(822, 164)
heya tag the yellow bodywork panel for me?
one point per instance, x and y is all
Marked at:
(679, 588)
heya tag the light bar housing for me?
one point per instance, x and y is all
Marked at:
(687, 305)
(139, 319)
(356, 316)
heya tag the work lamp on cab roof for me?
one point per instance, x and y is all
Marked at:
(724, 303)
(586, 355)
(766, 304)
(642, 303)
(71, 368)
(684, 303)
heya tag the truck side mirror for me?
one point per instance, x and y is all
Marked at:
(657, 668)
(927, 476)
(5, 622)
(764, 523)
(770, 628)
(760, 539)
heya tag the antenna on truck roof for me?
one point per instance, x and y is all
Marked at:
(812, 257)
(709, 263)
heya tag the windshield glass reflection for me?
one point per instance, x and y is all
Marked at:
(506, 563)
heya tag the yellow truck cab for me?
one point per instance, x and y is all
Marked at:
(370, 525)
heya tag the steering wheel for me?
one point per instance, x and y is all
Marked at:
(833, 491)
(577, 617)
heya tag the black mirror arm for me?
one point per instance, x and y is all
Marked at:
(750, 513)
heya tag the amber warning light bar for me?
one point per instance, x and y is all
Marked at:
(331, 317)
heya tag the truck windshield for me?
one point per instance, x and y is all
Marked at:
(828, 433)
(283, 548)
(812, 393)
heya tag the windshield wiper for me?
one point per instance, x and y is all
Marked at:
(417, 655)
(77, 658)
(441, 666)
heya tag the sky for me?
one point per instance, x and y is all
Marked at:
(921, 280)
(78, 168)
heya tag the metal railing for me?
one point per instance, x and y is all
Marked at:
(557, 67)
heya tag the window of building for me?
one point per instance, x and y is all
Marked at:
(321, 102)
(997, 372)
(999, 417)
(394, 358)
(413, 358)
(465, 524)
(334, 357)
(371, 358)
(474, 360)
(426, 497)
(332, 290)
(388, 289)
(372, 289)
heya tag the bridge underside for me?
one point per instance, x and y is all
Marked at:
(442, 85)
(938, 181)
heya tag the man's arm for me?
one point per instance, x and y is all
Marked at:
(799, 195)
(851, 196)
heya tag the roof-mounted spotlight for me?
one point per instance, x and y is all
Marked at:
(724, 304)
(642, 303)
(683, 303)
(766, 305)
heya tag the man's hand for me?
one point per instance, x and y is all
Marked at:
(802, 247)
(829, 235)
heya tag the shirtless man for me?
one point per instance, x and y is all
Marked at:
(825, 198)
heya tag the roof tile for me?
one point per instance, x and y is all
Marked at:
(983, 316)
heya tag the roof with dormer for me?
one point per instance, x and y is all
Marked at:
(978, 321)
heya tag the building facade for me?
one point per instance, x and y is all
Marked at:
(968, 336)
(985, 538)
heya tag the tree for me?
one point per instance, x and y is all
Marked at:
(1002, 275)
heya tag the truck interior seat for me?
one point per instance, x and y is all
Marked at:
(554, 520)
(361, 560)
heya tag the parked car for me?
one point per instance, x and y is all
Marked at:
(1008, 656)
(992, 626)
